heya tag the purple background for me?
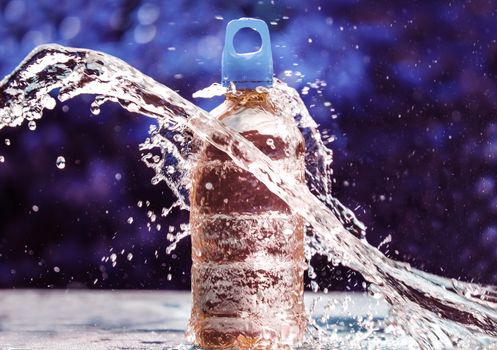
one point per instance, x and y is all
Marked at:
(413, 85)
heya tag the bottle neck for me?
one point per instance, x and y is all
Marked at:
(248, 98)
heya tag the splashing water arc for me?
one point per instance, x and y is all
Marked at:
(435, 311)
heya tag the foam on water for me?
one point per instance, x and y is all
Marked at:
(436, 312)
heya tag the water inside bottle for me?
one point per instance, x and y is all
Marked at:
(247, 245)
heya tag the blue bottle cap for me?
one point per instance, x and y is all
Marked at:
(252, 69)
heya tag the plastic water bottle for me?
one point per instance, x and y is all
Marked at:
(247, 245)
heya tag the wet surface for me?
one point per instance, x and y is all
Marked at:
(151, 320)
(92, 320)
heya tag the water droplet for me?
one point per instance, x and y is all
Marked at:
(314, 286)
(35, 208)
(118, 176)
(2, 159)
(61, 162)
(95, 108)
(139, 204)
(209, 186)
(270, 143)
(32, 125)
(155, 180)
(56, 269)
(311, 273)
(169, 277)
(48, 102)
(129, 256)
(7, 142)
(113, 257)
(130, 220)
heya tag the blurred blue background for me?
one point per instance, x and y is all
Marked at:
(408, 88)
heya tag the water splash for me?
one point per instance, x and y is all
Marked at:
(60, 162)
(435, 311)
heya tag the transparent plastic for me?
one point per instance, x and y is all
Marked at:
(247, 245)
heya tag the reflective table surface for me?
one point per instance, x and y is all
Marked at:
(156, 320)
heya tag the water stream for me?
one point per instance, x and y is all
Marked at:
(435, 311)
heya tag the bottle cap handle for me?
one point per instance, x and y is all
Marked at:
(252, 69)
